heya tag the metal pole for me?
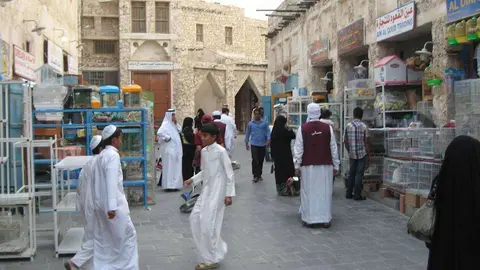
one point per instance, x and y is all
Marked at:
(7, 131)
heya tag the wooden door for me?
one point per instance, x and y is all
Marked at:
(159, 85)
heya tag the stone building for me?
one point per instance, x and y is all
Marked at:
(38, 32)
(186, 54)
(290, 44)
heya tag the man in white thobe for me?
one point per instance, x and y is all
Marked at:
(83, 258)
(171, 152)
(218, 189)
(316, 157)
(115, 238)
(230, 132)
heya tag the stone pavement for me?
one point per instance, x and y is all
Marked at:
(264, 232)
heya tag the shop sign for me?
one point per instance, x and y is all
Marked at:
(460, 9)
(351, 37)
(55, 57)
(396, 22)
(24, 64)
(139, 65)
(72, 65)
(318, 51)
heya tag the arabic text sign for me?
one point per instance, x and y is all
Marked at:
(351, 37)
(139, 65)
(72, 65)
(318, 51)
(55, 57)
(396, 22)
(460, 9)
(24, 64)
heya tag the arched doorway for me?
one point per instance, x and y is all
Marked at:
(209, 96)
(244, 102)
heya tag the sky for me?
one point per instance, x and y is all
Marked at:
(251, 5)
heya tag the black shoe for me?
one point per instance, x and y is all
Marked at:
(255, 179)
(260, 178)
(361, 198)
(327, 225)
(349, 197)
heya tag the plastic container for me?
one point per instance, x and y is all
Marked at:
(132, 96)
(110, 96)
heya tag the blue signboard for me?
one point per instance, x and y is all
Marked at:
(460, 9)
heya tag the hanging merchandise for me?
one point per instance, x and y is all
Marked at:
(394, 101)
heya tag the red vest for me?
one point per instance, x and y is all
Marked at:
(316, 144)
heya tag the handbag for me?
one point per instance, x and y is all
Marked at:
(422, 224)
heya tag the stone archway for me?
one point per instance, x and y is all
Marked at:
(209, 95)
(150, 50)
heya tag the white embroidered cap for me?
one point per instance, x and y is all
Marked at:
(96, 140)
(217, 113)
(108, 131)
(314, 111)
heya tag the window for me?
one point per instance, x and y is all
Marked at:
(228, 35)
(27, 46)
(200, 32)
(65, 63)
(95, 78)
(139, 17)
(105, 47)
(162, 17)
(101, 78)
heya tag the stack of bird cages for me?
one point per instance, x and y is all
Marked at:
(360, 93)
(398, 175)
(433, 142)
(425, 173)
(467, 108)
(425, 109)
(402, 143)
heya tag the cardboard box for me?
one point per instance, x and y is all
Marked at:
(412, 200)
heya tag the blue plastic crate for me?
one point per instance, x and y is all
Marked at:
(277, 88)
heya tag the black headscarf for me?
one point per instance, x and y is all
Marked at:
(457, 228)
(279, 127)
(198, 119)
(187, 122)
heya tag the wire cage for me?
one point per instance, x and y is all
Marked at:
(131, 142)
(467, 96)
(402, 143)
(425, 108)
(425, 172)
(375, 168)
(376, 138)
(433, 142)
(398, 174)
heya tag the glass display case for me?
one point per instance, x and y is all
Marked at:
(132, 96)
(110, 95)
(82, 97)
(131, 142)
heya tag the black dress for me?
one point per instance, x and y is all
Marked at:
(188, 145)
(281, 152)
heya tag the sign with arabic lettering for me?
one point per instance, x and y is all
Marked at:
(397, 22)
(351, 37)
(24, 64)
(55, 57)
(318, 51)
(141, 65)
(461, 9)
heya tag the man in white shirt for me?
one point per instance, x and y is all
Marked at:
(231, 131)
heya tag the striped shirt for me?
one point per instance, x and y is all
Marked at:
(355, 134)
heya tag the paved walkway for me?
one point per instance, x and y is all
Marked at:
(264, 232)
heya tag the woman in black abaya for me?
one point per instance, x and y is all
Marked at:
(457, 203)
(281, 151)
(188, 144)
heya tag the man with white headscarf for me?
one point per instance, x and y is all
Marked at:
(316, 160)
(114, 236)
(171, 152)
(83, 258)
(230, 132)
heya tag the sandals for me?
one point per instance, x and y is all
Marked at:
(204, 266)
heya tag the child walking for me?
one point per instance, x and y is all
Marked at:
(218, 189)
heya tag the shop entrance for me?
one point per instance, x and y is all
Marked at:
(244, 103)
(156, 88)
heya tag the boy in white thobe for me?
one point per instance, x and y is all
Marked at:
(218, 189)
(315, 152)
(115, 238)
(171, 152)
(83, 258)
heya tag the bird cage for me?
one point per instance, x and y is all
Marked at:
(14, 236)
(131, 142)
(433, 142)
(398, 174)
(425, 172)
(82, 97)
(110, 96)
(402, 143)
(132, 96)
